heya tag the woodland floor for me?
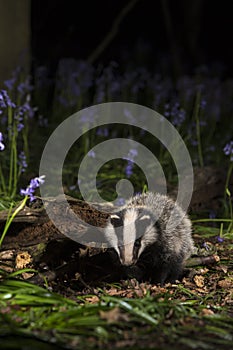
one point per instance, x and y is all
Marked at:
(194, 313)
(75, 272)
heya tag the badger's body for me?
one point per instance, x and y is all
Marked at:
(152, 236)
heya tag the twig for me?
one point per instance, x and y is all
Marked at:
(112, 33)
(202, 260)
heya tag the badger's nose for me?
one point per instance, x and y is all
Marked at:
(127, 254)
(127, 262)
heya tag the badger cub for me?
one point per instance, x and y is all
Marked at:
(151, 235)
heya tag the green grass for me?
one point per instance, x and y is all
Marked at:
(174, 319)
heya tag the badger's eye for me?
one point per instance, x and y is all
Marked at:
(137, 243)
(116, 220)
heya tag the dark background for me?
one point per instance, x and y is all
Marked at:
(190, 33)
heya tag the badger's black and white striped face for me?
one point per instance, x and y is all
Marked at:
(129, 232)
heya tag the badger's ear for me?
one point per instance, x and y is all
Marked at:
(116, 220)
(114, 216)
(145, 217)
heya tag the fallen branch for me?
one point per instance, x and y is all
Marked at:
(202, 260)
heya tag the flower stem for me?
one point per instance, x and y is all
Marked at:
(198, 130)
(228, 179)
(15, 172)
(10, 217)
(9, 114)
(2, 181)
(11, 168)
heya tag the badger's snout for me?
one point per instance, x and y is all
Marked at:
(127, 256)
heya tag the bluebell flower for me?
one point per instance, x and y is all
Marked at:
(219, 239)
(107, 84)
(167, 110)
(228, 150)
(193, 142)
(25, 87)
(120, 201)
(102, 132)
(175, 112)
(100, 95)
(178, 114)
(114, 87)
(10, 83)
(130, 157)
(91, 154)
(203, 104)
(88, 116)
(22, 161)
(129, 168)
(2, 146)
(137, 193)
(135, 80)
(5, 100)
(212, 214)
(74, 78)
(75, 186)
(129, 116)
(27, 108)
(34, 183)
(132, 153)
(19, 124)
(205, 245)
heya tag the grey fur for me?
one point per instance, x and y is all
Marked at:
(161, 248)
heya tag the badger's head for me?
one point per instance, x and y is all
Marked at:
(129, 232)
